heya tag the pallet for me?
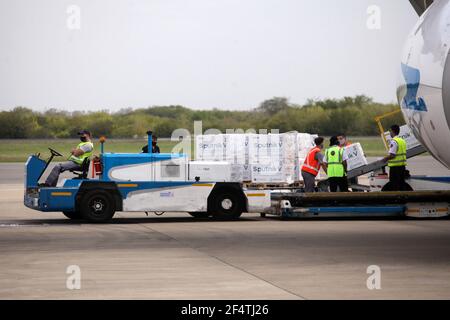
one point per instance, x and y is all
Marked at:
(272, 185)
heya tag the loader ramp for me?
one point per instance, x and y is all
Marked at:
(377, 165)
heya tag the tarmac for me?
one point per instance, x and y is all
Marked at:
(177, 257)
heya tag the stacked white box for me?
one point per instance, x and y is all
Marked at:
(407, 135)
(246, 172)
(209, 171)
(253, 148)
(237, 172)
(271, 158)
(355, 156)
(236, 153)
(290, 145)
(236, 148)
(210, 147)
(267, 173)
(289, 156)
(305, 144)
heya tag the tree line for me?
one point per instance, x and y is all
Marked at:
(351, 115)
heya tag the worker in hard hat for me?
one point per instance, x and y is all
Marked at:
(396, 160)
(77, 156)
(312, 164)
(336, 163)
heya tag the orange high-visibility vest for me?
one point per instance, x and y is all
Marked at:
(311, 165)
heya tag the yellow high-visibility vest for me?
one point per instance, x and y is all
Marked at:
(335, 166)
(79, 160)
(400, 157)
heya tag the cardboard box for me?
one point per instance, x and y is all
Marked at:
(355, 156)
(210, 171)
(236, 148)
(210, 148)
(267, 173)
(407, 135)
(241, 172)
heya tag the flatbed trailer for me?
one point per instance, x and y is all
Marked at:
(416, 204)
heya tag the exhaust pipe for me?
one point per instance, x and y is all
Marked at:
(150, 141)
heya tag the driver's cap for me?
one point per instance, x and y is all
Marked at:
(84, 132)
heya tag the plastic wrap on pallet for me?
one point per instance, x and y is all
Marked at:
(289, 146)
(236, 149)
(267, 173)
(241, 172)
(210, 148)
(261, 158)
(264, 147)
(305, 143)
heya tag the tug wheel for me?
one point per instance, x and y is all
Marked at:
(226, 204)
(97, 206)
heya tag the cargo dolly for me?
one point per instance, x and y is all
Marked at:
(416, 204)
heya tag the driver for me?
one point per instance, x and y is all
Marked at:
(82, 151)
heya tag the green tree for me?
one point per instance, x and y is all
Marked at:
(274, 105)
(350, 115)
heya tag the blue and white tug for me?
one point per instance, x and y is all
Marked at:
(143, 182)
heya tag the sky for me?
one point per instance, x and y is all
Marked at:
(202, 54)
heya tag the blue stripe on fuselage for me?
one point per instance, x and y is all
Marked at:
(412, 78)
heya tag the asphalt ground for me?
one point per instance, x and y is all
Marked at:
(178, 257)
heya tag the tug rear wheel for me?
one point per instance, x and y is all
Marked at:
(226, 204)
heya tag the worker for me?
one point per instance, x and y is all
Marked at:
(336, 164)
(82, 151)
(312, 165)
(343, 143)
(155, 147)
(396, 160)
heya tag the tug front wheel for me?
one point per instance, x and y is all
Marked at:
(97, 206)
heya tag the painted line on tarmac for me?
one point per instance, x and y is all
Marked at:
(15, 225)
(6, 224)
(224, 262)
